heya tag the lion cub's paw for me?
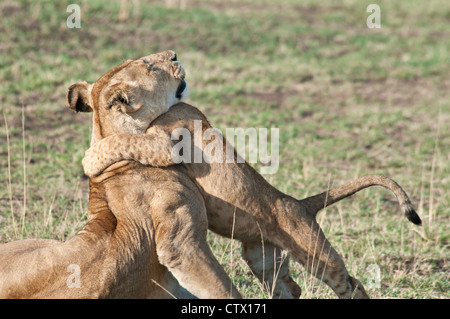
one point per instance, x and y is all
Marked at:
(92, 165)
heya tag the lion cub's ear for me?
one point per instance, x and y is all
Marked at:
(78, 97)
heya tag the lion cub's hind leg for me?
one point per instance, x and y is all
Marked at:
(311, 248)
(271, 267)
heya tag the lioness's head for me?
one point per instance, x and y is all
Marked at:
(130, 96)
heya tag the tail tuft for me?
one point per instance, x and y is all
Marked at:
(411, 214)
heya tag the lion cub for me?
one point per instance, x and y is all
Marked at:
(242, 205)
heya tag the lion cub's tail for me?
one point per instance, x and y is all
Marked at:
(317, 202)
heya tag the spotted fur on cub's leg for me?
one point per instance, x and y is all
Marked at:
(271, 266)
(157, 152)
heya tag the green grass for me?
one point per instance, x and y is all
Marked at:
(348, 100)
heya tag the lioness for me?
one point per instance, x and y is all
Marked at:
(143, 221)
(242, 205)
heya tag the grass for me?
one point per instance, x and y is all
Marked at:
(348, 100)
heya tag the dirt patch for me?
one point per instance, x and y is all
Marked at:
(8, 8)
(416, 265)
(401, 93)
(386, 92)
(276, 98)
(252, 7)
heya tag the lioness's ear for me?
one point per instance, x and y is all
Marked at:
(78, 97)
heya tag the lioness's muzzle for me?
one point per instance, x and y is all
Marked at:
(180, 89)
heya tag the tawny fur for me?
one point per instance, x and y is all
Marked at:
(145, 224)
(116, 251)
(239, 199)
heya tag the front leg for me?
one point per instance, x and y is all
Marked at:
(180, 223)
(153, 148)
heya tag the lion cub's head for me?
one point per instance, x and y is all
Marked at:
(130, 96)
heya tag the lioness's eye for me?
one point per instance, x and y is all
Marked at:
(152, 68)
(117, 100)
(121, 99)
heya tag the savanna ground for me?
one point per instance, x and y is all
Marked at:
(348, 101)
